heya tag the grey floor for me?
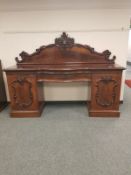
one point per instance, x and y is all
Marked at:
(65, 141)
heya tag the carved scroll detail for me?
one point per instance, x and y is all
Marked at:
(22, 93)
(106, 91)
(107, 55)
(64, 41)
(23, 57)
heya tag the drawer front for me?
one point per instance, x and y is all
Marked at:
(63, 77)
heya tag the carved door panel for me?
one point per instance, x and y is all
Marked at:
(22, 90)
(22, 93)
(105, 91)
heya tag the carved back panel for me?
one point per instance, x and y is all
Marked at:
(64, 51)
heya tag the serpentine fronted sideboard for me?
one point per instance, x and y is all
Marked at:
(64, 61)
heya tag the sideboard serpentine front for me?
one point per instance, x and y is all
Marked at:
(64, 61)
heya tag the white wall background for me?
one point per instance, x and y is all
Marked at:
(27, 30)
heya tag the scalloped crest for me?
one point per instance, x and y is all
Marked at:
(66, 44)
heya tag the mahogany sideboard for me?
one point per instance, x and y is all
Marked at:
(64, 61)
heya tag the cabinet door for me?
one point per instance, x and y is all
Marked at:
(22, 90)
(105, 93)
